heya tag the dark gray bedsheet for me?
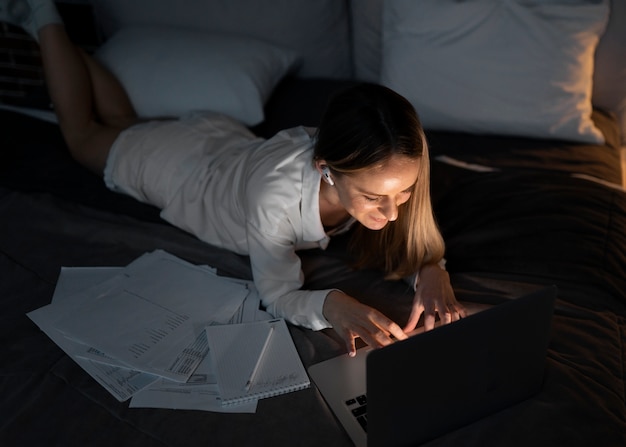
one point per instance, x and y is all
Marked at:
(507, 232)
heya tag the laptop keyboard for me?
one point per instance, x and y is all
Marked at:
(358, 407)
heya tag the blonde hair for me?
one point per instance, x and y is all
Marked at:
(363, 127)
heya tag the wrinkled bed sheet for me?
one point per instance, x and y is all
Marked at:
(508, 232)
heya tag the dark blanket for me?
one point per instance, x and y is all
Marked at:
(507, 232)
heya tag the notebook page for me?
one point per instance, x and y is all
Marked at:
(235, 351)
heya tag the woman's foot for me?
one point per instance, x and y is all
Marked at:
(31, 15)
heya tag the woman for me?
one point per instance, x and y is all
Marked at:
(366, 167)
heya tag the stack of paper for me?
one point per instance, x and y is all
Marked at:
(140, 330)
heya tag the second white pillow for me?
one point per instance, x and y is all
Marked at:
(516, 67)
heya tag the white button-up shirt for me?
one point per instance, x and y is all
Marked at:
(260, 198)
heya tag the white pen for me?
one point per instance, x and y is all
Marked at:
(260, 359)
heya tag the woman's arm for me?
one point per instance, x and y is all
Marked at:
(277, 275)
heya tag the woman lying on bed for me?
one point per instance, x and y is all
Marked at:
(366, 166)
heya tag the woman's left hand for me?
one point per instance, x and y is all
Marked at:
(434, 295)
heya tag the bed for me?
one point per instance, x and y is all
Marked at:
(518, 210)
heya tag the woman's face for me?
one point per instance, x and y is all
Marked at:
(373, 196)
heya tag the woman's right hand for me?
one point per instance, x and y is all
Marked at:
(352, 319)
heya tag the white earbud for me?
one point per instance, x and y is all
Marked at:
(327, 177)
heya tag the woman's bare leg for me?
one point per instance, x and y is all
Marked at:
(91, 105)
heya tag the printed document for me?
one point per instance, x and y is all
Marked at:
(150, 316)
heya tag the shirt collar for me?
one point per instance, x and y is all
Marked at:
(312, 227)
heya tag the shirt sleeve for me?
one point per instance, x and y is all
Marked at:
(277, 274)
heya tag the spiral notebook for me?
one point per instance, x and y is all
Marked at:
(255, 360)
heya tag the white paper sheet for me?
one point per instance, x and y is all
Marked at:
(121, 382)
(149, 315)
(79, 286)
(201, 392)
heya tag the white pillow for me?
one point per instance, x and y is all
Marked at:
(318, 30)
(171, 71)
(517, 67)
(609, 75)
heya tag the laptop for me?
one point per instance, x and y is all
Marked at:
(418, 389)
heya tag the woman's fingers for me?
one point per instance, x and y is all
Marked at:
(352, 319)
